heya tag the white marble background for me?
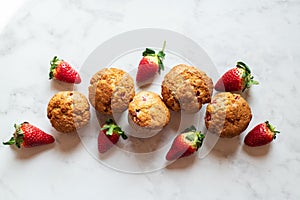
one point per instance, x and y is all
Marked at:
(262, 33)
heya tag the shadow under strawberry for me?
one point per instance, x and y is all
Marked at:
(257, 151)
(182, 163)
(29, 153)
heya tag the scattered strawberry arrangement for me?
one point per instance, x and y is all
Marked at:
(185, 144)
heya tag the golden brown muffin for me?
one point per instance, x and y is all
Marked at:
(227, 115)
(148, 110)
(68, 111)
(111, 90)
(187, 88)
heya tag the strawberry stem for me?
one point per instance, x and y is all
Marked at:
(161, 56)
(10, 142)
(164, 46)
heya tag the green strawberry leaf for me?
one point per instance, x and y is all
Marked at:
(109, 121)
(248, 79)
(161, 55)
(272, 128)
(190, 129)
(160, 65)
(243, 66)
(10, 142)
(18, 137)
(53, 64)
(124, 136)
(19, 134)
(148, 52)
(111, 128)
(200, 138)
(196, 138)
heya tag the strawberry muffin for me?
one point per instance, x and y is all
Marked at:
(148, 112)
(111, 90)
(228, 115)
(186, 88)
(68, 111)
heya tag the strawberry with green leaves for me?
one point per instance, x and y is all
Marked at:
(27, 135)
(261, 134)
(150, 64)
(236, 79)
(63, 71)
(185, 144)
(109, 135)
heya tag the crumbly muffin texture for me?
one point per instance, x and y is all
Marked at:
(187, 88)
(148, 110)
(111, 90)
(228, 115)
(68, 111)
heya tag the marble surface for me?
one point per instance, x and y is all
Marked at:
(262, 33)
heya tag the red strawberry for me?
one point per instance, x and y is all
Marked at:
(109, 135)
(236, 79)
(62, 71)
(185, 144)
(261, 134)
(26, 135)
(150, 64)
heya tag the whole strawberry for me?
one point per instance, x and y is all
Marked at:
(236, 79)
(27, 135)
(151, 64)
(109, 135)
(185, 144)
(62, 71)
(261, 134)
